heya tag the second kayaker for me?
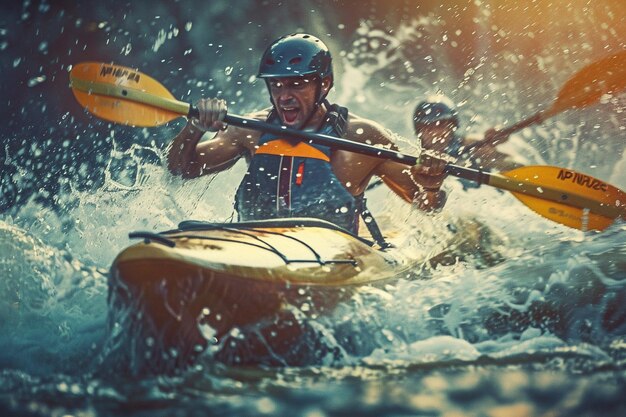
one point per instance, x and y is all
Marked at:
(287, 178)
(436, 124)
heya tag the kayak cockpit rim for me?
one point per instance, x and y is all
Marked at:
(246, 228)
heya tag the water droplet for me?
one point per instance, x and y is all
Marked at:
(266, 406)
(126, 50)
(37, 80)
(207, 331)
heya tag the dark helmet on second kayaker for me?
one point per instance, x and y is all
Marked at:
(435, 109)
(437, 112)
(297, 55)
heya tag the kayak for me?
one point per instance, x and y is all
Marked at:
(186, 288)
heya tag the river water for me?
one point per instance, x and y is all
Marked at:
(525, 318)
(532, 321)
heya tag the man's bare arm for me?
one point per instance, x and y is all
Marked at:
(413, 184)
(419, 184)
(190, 158)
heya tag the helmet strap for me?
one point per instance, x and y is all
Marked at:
(318, 102)
(269, 91)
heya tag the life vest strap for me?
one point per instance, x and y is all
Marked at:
(370, 222)
(283, 147)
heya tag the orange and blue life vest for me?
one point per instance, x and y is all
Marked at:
(290, 178)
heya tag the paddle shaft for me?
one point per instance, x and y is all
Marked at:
(506, 132)
(321, 139)
(538, 117)
(495, 180)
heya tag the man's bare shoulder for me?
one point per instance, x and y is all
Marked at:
(361, 129)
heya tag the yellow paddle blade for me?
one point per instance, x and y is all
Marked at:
(606, 76)
(122, 95)
(587, 203)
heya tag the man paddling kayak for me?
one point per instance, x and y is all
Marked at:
(436, 123)
(287, 178)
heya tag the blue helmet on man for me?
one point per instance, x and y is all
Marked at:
(297, 55)
(439, 110)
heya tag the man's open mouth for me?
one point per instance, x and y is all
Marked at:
(290, 114)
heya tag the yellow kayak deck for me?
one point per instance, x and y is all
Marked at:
(305, 252)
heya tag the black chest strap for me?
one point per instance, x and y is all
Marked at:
(370, 223)
(337, 117)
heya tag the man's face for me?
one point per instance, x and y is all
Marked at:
(436, 136)
(294, 98)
